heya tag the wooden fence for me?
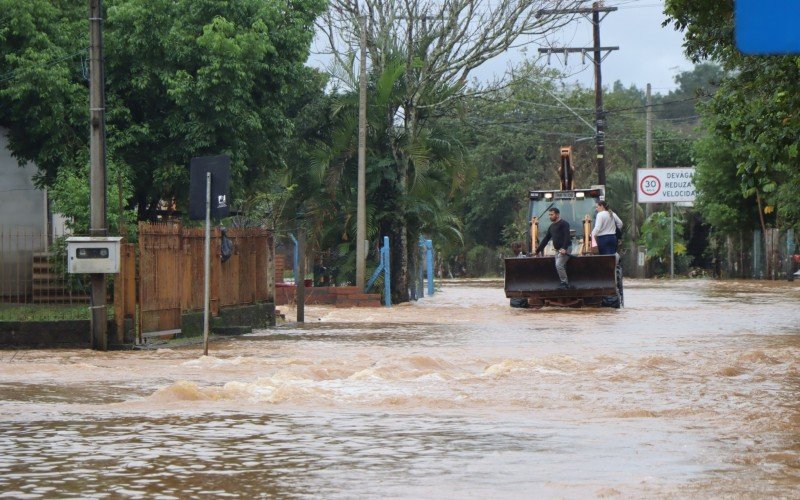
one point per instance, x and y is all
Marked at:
(171, 272)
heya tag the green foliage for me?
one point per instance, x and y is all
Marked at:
(70, 197)
(621, 197)
(9, 312)
(672, 148)
(43, 94)
(483, 262)
(184, 78)
(680, 105)
(753, 120)
(656, 235)
(266, 206)
(719, 196)
(425, 202)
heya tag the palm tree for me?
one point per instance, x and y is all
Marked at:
(411, 178)
(621, 195)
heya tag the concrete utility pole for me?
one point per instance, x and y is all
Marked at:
(649, 140)
(597, 58)
(361, 211)
(599, 113)
(97, 174)
(649, 129)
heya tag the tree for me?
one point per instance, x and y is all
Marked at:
(754, 115)
(184, 78)
(656, 237)
(439, 177)
(680, 105)
(43, 90)
(440, 45)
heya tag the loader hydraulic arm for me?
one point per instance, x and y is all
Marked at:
(587, 235)
(566, 172)
(534, 234)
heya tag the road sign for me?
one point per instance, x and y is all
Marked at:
(767, 26)
(665, 185)
(220, 168)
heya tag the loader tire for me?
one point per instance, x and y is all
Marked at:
(519, 303)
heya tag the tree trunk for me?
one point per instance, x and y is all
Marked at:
(768, 271)
(399, 258)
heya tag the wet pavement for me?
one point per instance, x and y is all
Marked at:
(690, 390)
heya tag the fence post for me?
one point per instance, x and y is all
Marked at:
(295, 271)
(757, 254)
(387, 281)
(385, 267)
(300, 284)
(429, 256)
(790, 254)
(420, 284)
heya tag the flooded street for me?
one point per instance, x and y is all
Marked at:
(690, 390)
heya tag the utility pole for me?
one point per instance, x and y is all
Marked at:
(634, 230)
(597, 55)
(361, 211)
(649, 129)
(97, 174)
(649, 140)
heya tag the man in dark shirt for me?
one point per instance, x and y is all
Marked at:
(559, 233)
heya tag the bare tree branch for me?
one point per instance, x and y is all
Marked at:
(443, 41)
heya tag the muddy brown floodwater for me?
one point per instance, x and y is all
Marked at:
(690, 390)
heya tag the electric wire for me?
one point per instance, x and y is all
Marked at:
(10, 75)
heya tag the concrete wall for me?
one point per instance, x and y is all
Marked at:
(23, 222)
(337, 296)
(58, 334)
(21, 204)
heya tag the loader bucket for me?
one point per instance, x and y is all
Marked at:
(536, 277)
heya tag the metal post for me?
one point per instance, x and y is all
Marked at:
(300, 281)
(429, 257)
(207, 268)
(387, 281)
(633, 231)
(421, 281)
(295, 272)
(789, 254)
(97, 160)
(671, 241)
(649, 143)
(361, 211)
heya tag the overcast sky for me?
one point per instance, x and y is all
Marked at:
(647, 52)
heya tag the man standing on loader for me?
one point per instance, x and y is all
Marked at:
(559, 233)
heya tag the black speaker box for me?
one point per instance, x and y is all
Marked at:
(220, 168)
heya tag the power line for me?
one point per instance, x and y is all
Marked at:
(561, 118)
(12, 74)
(596, 57)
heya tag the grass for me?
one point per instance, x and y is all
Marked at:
(46, 312)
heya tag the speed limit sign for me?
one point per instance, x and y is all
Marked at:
(665, 185)
(650, 185)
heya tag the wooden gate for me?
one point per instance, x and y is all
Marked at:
(160, 277)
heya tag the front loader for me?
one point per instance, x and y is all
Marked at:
(596, 280)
